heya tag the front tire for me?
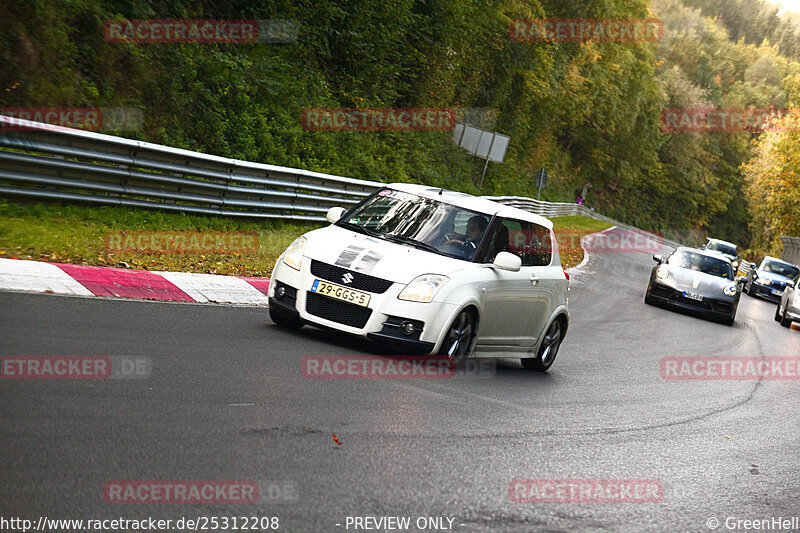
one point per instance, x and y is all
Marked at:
(547, 350)
(285, 321)
(457, 344)
(778, 312)
(785, 321)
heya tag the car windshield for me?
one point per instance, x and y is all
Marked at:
(722, 248)
(420, 222)
(702, 263)
(780, 268)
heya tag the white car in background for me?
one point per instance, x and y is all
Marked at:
(430, 271)
(788, 309)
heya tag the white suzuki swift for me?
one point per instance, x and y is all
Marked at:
(430, 271)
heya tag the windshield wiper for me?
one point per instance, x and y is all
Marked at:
(413, 242)
(361, 229)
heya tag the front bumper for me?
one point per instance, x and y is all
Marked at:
(765, 291)
(380, 321)
(712, 307)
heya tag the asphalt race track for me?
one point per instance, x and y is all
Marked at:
(225, 400)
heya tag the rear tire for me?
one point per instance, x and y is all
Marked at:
(548, 350)
(285, 321)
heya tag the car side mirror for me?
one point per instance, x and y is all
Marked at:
(507, 261)
(658, 258)
(334, 214)
(740, 280)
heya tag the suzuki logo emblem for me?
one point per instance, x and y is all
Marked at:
(347, 278)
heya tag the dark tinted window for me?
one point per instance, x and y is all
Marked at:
(701, 263)
(722, 248)
(780, 268)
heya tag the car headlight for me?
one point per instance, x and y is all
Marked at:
(423, 288)
(293, 256)
(662, 272)
(730, 289)
(761, 281)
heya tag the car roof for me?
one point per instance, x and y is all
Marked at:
(707, 253)
(777, 260)
(467, 201)
(721, 241)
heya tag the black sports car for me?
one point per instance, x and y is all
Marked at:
(695, 280)
(768, 278)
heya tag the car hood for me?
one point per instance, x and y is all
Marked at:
(377, 257)
(772, 276)
(698, 282)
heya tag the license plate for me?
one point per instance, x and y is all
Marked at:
(340, 293)
(777, 292)
(692, 296)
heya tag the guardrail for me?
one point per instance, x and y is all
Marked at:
(561, 209)
(52, 162)
(791, 249)
(43, 161)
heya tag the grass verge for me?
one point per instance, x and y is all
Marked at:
(79, 234)
(569, 231)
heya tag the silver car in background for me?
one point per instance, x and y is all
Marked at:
(788, 309)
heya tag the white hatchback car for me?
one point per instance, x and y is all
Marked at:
(430, 271)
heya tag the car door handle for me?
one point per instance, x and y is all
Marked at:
(534, 279)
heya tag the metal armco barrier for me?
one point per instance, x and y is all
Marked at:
(791, 249)
(563, 209)
(51, 162)
(41, 161)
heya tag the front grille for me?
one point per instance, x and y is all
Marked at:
(778, 285)
(360, 281)
(722, 307)
(336, 310)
